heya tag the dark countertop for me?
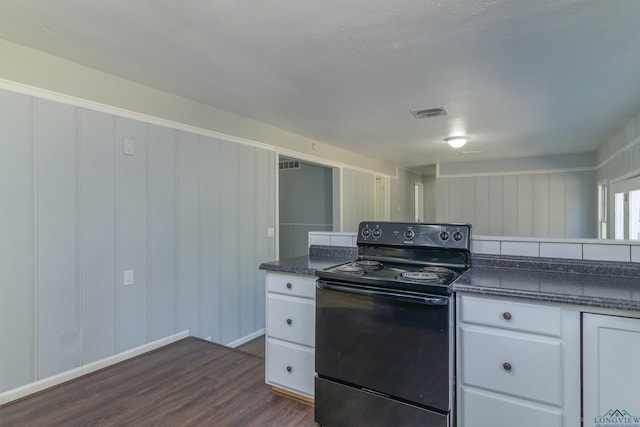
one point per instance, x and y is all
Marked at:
(593, 284)
(306, 264)
(319, 258)
(583, 283)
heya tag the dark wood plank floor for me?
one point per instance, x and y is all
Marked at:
(188, 383)
(255, 347)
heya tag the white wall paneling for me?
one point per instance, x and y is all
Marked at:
(17, 261)
(402, 197)
(496, 212)
(358, 192)
(209, 291)
(59, 326)
(188, 236)
(132, 234)
(246, 235)
(546, 204)
(162, 193)
(229, 203)
(187, 213)
(98, 231)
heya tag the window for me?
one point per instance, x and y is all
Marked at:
(626, 216)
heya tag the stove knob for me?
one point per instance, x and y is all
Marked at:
(457, 236)
(444, 236)
(377, 233)
(366, 232)
(409, 234)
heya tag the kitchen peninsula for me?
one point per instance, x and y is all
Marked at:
(525, 326)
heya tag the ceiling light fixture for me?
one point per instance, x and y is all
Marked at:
(457, 141)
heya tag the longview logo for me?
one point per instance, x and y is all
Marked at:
(617, 417)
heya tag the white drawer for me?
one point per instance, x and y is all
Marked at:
(290, 366)
(520, 365)
(292, 284)
(292, 319)
(480, 409)
(517, 316)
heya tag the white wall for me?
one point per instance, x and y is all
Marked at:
(358, 198)
(518, 200)
(619, 159)
(403, 195)
(188, 213)
(37, 69)
(305, 200)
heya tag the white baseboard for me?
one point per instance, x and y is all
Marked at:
(246, 338)
(45, 383)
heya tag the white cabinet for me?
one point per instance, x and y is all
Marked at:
(611, 377)
(518, 364)
(290, 333)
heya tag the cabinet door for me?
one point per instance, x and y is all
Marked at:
(611, 377)
(485, 409)
(521, 365)
(290, 366)
(291, 319)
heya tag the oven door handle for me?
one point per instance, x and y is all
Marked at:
(426, 300)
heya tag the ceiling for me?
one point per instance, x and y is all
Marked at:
(520, 77)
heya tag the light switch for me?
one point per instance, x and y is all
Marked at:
(128, 277)
(270, 231)
(128, 146)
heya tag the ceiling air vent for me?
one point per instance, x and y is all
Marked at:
(430, 112)
(289, 164)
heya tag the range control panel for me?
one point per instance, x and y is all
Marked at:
(415, 234)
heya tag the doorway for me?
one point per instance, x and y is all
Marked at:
(418, 202)
(305, 204)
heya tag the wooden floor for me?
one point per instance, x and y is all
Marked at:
(188, 383)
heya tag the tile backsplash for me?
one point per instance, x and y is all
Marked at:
(331, 238)
(579, 249)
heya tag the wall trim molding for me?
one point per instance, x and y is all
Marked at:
(121, 112)
(246, 338)
(329, 163)
(150, 119)
(520, 172)
(25, 390)
(620, 151)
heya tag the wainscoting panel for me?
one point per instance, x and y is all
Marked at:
(88, 196)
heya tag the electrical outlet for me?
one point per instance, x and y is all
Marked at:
(128, 277)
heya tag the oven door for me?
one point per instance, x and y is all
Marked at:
(389, 343)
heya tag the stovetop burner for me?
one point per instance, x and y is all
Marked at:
(421, 276)
(368, 263)
(435, 269)
(349, 268)
(399, 275)
(413, 257)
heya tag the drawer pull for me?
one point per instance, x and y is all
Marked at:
(289, 285)
(507, 366)
(289, 368)
(506, 315)
(289, 321)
